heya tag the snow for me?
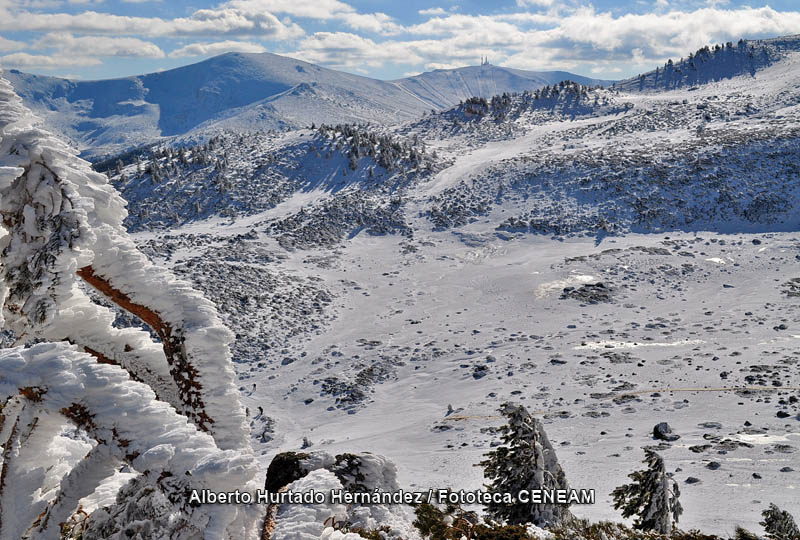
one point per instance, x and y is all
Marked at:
(610, 344)
(60, 220)
(83, 216)
(307, 521)
(126, 412)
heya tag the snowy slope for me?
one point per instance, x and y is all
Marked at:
(708, 64)
(248, 91)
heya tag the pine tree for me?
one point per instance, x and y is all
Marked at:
(526, 461)
(649, 497)
(779, 524)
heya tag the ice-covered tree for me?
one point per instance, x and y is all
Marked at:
(652, 497)
(525, 461)
(169, 411)
(779, 524)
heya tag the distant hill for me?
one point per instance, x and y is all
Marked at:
(714, 63)
(446, 87)
(249, 91)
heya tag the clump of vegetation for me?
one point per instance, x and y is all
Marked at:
(454, 523)
(581, 529)
(744, 534)
(380, 533)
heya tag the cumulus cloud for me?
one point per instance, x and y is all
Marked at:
(217, 47)
(68, 45)
(347, 50)
(539, 3)
(209, 22)
(10, 44)
(538, 34)
(351, 51)
(25, 60)
(379, 23)
(433, 11)
(587, 34)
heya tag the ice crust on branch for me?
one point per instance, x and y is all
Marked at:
(126, 420)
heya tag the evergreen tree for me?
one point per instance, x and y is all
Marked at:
(526, 461)
(779, 524)
(649, 497)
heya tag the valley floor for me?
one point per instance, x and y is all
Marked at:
(422, 339)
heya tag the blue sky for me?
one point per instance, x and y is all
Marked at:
(92, 39)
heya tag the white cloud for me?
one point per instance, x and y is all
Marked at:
(379, 23)
(67, 45)
(10, 45)
(347, 50)
(32, 4)
(26, 60)
(208, 22)
(433, 11)
(480, 29)
(530, 38)
(539, 3)
(318, 9)
(351, 51)
(587, 34)
(215, 48)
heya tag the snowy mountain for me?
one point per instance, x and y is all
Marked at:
(445, 87)
(249, 91)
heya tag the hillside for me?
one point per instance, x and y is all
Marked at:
(714, 63)
(247, 91)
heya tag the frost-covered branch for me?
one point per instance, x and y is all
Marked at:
(172, 455)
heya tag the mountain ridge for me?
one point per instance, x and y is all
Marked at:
(249, 91)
